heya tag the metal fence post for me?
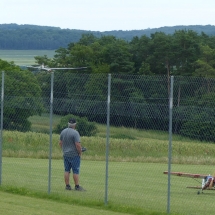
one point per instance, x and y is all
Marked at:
(51, 119)
(107, 138)
(1, 138)
(170, 141)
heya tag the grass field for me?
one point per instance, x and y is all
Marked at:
(136, 183)
(21, 205)
(24, 57)
(132, 185)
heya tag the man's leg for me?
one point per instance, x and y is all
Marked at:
(66, 177)
(75, 169)
(67, 168)
(76, 179)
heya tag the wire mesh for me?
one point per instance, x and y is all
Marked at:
(139, 125)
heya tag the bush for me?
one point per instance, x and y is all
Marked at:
(202, 131)
(84, 127)
(199, 124)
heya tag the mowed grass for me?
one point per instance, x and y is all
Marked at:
(132, 187)
(21, 205)
(24, 57)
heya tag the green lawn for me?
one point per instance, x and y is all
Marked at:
(142, 186)
(23, 205)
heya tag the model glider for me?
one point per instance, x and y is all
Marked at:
(42, 67)
(208, 181)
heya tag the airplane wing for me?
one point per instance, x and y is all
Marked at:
(50, 69)
(198, 187)
(65, 68)
(183, 174)
(72, 68)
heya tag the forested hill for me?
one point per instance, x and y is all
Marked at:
(13, 36)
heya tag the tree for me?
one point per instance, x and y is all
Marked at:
(204, 69)
(187, 46)
(161, 55)
(42, 60)
(205, 65)
(116, 54)
(144, 69)
(22, 97)
(80, 55)
(61, 58)
(139, 48)
(87, 39)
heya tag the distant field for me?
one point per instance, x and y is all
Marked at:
(24, 57)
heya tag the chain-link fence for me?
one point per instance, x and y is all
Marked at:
(133, 145)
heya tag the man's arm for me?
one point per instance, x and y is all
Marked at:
(211, 182)
(60, 143)
(78, 147)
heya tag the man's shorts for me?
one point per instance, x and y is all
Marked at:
(72, 163)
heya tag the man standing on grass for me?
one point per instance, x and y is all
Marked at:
(71, 147)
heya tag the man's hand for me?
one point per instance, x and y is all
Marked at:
(60, 143)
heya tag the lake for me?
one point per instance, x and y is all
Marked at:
(24, 57)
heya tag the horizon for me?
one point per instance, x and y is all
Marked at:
(106, 31)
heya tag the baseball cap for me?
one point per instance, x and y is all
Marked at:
(72, 121)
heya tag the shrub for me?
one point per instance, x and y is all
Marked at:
(84, 127)
(198, 130)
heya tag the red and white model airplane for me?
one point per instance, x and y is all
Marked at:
(208, 181)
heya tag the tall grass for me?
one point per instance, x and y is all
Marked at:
(125, 144)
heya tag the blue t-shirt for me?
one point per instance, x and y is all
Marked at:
(69, 137)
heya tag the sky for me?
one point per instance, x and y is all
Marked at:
(108, 15)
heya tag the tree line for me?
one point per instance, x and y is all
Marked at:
(24, 37)
(141, 71)
(183, 53)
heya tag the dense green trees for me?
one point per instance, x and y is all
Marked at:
(141, 71)
(183, 53)
(22, 97)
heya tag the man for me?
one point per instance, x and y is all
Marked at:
(71, 147)
(208, 182)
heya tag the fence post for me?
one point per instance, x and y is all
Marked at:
(170, 141)
(1, 137)
(50, 143)
(107, 138)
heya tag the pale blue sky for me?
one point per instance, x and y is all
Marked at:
(107, 15)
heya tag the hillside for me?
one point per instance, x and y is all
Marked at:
(27, 37)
